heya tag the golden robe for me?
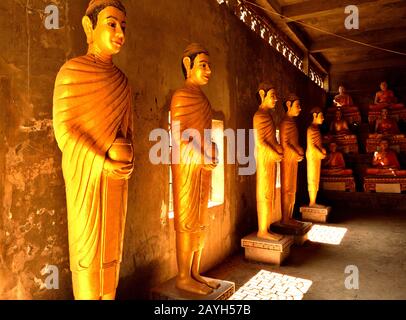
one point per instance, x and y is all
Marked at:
(266, 153)
(314, 156)
(190, 109)
(92, 106)
(292, 151)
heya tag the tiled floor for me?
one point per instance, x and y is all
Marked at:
(372, 241)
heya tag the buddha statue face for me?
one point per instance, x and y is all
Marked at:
(200, 73)
(318, 118)
(384, 86)
(341, 90)
(294, 108)
(333, 147)
(108, 37)
(339, 115)
(269, 100)
(384, 145)
(384, 114)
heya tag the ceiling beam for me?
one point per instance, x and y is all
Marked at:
(374, 37)
(367, 65)
(316, 8)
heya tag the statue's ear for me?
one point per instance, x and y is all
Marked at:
(262, 94)
(187, 62)
(88, 27)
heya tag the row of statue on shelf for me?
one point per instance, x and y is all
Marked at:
(384, 99)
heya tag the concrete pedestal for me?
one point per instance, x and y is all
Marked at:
(266, 251)
(300, 233)
(318, 215)
(169, 291)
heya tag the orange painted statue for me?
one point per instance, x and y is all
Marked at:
(315, 153)
(268, 153)
(334, 164)
(191, 113)
(93, 127)
(385, 99)
(293, 153)
(385, 162)
(385, 125)
(344, 101)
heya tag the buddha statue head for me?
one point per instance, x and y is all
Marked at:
(196, 64)
(384, 114)
(292, 105)
(318, 117)
(266, 95)
(333, 147)
(384, 86)
(341, 90)
(104, 25)
(384, 145)
(339, 114)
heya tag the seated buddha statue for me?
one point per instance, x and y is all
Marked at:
(385, 161)
(344, 101)
(334, 164)
(385, 99)
(386, 125)
(339, 126)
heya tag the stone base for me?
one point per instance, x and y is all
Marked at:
(169, 291)
(300, 234)
(266, 251)
(384, 184)
(338, 183)
(318, 215)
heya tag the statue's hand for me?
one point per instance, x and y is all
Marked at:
(117, 169)
(300, 158)
(210, 163)
(278, 157)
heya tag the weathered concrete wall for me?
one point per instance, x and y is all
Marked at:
(33, 213)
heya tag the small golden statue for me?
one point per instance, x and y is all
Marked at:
(268, 153)
(315, 154)
(93, 127)
(385, 161)
(293, 153)
(386, 125)
(191, 110)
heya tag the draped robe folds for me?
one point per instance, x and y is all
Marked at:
(92, 106)
(291, 152)
(191, 110)
(387, 126)
(335, 165)
(314, 155)
(266, 152)
(386, 99)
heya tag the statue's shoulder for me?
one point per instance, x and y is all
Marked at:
(75, 63)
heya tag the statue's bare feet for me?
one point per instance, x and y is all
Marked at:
(193, 286)
(269, 236)
(210, 283)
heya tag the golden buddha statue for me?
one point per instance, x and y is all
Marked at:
(385, 161)
(386, 125)
(293, 153)
(268, 153)
(315, 153)
(385, 99)
(93, 127)
(344, 101)
(334, 164)
(339, 127)
(191, 110)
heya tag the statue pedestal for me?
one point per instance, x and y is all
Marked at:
(266, 251)
(300, 233)
(169, 291)
(338, 183)
(318, 215)
(388, 184)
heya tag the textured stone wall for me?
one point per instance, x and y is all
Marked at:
(33, 226)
